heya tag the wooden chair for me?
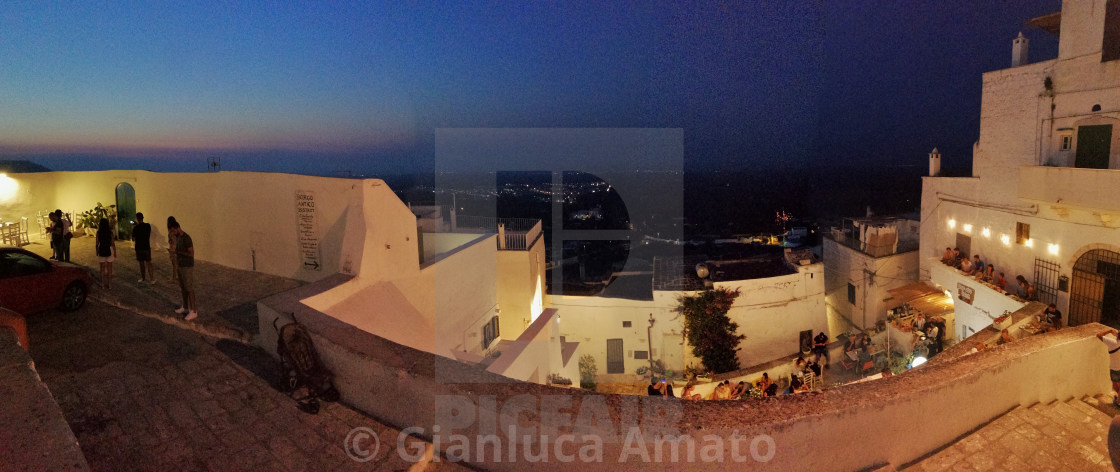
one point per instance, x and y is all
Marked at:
(23, 232)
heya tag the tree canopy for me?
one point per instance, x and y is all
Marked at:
(708, 329)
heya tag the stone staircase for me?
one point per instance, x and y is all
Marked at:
(1069, 435)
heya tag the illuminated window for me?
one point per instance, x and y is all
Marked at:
(1022, 233)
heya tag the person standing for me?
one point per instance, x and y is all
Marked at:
(106, 251)
(171, 250)
(56, 235)
(184, 249)
(1113, 361)
(67, 235)
(820, 348)
(142, 236)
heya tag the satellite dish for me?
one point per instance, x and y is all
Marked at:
(702, 270)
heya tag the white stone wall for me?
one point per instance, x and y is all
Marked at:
(771, 312)
(244, 220)
(844, 265)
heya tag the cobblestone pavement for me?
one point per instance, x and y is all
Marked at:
(1071, 435)
(143, 395)
(226, 297)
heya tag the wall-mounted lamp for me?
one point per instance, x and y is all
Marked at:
(8, 187)
(986, 232)
(952, 223)
(967, 228)
(1029, 243)
(1005, 239)
(1053, 248)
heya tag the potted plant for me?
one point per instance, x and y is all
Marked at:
(90, 219)
(1003, 322)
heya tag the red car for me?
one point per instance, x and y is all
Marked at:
(29, 283)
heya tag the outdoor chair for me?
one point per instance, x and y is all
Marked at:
(23, 236)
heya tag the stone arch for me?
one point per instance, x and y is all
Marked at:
(1094, 294)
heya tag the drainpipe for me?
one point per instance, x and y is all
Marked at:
(649, 345)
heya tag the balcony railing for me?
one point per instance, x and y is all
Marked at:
(518, 233)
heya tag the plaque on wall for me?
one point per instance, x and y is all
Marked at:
(965, 293)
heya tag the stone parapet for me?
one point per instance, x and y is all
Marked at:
(35, 435)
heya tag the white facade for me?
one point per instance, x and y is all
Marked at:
(861, 269)
(1033, 207)
(770, 311)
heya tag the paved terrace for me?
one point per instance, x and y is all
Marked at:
(140, 392)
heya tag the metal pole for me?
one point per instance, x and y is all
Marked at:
(649, 345)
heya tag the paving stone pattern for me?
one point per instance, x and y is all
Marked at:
(1070, 435)
(140, 394)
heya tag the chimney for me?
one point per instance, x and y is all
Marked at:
(1019, 51)
(934, 163)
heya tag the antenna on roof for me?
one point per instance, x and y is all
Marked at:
(213, 164)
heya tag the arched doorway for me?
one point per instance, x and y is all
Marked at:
(126, 210)
(1095, 292)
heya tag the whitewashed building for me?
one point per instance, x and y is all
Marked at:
(864, 259)
(1043, 200)
(781, 299)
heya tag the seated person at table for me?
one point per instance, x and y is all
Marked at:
(990, 274)
(814, 368)
(764, 383)
(977, 264)
(1051, 317)
(947, 258)
(794, 385)
(956, 262)
(654, 388)
(687, 394)
(721, 392)
(771, 390)
(1024, 290)
(739, 390)
(1001, 282)
(1004, 337)
(966, 266)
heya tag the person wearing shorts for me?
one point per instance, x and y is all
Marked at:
(106, 252)
(142, 236)
(184, 251)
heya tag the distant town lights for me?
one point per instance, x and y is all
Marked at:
(986, 232)
(952, 223)
(967, 228)
(1005, 239)
(1053, 248)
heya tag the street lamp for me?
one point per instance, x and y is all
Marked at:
(649, 345)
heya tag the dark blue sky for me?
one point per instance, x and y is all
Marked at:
(361, 87)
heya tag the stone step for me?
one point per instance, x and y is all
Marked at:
(1103, 403)
(1098, 414)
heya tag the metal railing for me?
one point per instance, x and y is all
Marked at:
(519, 233)
(903, 246)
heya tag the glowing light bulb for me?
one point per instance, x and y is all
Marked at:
(967, 228)
(1029, 243)
(952, 224)
(1053, 248)
(987, 233)
(1005, 239)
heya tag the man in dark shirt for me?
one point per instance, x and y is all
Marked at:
(820, 348)
(1052, 317)
(184, 252)
(653, 389)
(142, 235)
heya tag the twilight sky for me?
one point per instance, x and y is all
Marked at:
(312, 87)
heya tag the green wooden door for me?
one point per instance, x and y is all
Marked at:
(1093, 146)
